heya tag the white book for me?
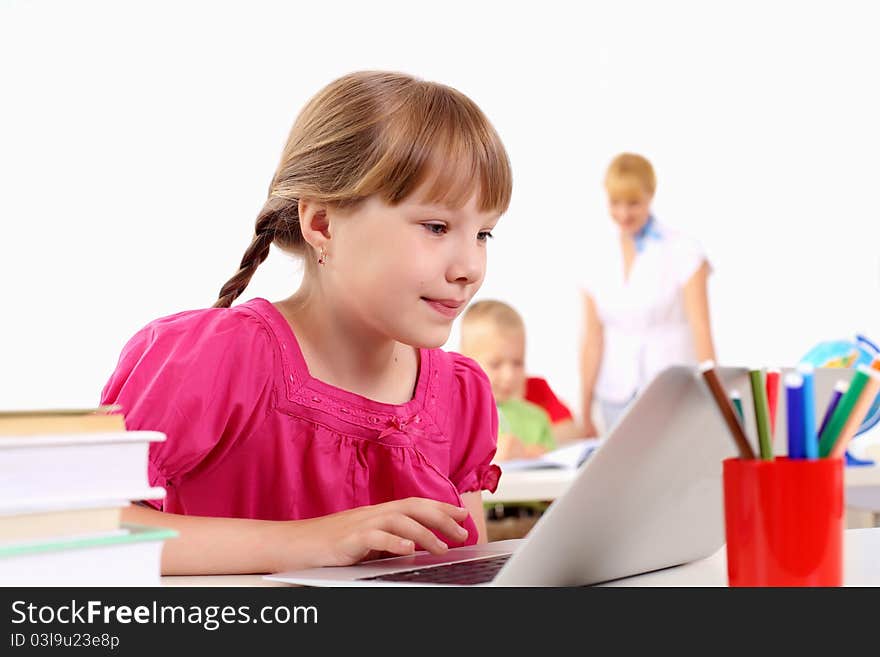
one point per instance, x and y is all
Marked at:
(10, 507)
(130, 557)
(64, 517)
(75, 519)
(569, 457)
(47, 469)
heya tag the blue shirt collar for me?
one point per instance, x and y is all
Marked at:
(650, 231)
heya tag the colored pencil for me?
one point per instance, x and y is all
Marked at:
(772, 384)
(710, 376)
(859, 411)
(811, 438)
(794, 409)
(828, 438)
(738, 407)
(839, 388)
(762, 413)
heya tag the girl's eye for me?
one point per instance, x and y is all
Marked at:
(484, 235)
(436, 229)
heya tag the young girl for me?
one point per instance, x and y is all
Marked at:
(328, 428)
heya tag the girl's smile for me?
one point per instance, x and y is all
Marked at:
(446, 307)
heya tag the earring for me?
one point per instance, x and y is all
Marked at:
(323, 257)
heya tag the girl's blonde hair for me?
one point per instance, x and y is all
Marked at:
(375, 132)
(491, 314)
(501, 315)
(630, 177)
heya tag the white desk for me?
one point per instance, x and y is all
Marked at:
(861, 568)
(529, 485)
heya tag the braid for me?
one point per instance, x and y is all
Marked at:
(264, 234)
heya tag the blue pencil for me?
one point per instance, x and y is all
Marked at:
(811, 437)
(839, 388)
(794, 404)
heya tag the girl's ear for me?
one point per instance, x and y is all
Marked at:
(314, 222)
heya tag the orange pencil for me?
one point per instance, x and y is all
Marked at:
(858, 413)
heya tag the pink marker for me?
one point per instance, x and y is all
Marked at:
(772, 383)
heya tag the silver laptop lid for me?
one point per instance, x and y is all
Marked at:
(648, 498)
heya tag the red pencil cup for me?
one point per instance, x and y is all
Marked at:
(784, 522)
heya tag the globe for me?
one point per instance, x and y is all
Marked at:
(848, 354)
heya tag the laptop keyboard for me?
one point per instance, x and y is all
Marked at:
(462, 573)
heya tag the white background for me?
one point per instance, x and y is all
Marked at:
(137, 141)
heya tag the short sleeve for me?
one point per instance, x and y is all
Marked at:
(203, 378)
(538, 392)
(473, 427)
(687, 256)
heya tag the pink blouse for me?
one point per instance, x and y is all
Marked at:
(250, 434)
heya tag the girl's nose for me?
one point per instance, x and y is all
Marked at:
(468, 265)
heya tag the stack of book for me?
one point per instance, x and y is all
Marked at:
(65, 477)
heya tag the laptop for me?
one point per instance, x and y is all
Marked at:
(649, 497)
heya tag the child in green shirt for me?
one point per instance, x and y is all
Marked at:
(493, 334)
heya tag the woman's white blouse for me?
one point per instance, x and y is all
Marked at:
(644, 321)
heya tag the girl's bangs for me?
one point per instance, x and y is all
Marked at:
(444, 148)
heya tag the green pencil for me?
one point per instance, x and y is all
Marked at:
(841, 412)
(762, 413)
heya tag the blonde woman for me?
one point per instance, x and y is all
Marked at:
(647, 305)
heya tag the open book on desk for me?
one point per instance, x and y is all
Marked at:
(568, 457)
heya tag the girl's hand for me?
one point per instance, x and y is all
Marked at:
(590, 430)
(532, 451)
(344, 538)
(509, 447)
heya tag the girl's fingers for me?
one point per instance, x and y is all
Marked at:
(407, 528)
(382, 541)
(417, 517)
(445, 525)
(415, 505)
(441, 517)
(393, 528)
